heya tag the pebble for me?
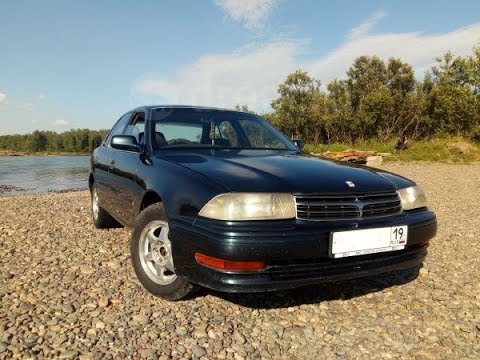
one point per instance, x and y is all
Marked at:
(141, 319)
(69, 278)
(31, 341)
(26, 306)
(8, 276)
(59, 341)
(198, 351)
(32, 299)
(87, 270)
(181, 330)
(68, 308)
(238, 338)
(115, 265)
(199, 332)
(84, 301)
(181, 349)
(147, 352)
(103, 302)
(100, 325)
(72, 354)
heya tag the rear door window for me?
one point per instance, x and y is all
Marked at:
(119, 127)
(137, 127)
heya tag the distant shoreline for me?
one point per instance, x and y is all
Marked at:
(43, 153)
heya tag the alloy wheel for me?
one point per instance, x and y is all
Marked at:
(155, 251)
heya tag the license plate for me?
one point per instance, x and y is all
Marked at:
(368, 241)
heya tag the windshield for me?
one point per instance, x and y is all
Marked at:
(199, 128)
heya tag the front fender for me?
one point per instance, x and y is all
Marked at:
(183, 191)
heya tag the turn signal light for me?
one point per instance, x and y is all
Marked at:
(222, 264)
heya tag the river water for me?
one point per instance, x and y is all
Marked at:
(40, 174)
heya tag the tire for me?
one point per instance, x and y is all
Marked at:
(152, 257)
(101, 218)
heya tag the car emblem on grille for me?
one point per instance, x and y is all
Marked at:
(350, 183)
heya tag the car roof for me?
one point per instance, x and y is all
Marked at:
(150, 107)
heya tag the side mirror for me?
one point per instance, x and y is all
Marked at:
(298, 143)
(126, 142)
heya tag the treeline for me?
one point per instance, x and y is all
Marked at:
(73, 141)
(376, 100)
(382, 100)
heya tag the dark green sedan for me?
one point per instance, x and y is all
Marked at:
(222, 199)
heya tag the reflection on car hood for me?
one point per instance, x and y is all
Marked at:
(282, 171)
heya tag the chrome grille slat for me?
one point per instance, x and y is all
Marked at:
(349, 206)
(341, 202)
(340, 211)
(386, 208)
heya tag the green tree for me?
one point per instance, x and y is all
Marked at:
(366, 75)
(82, 141)
(400, 76)
(339, 121)
(453, 103)
(37, 141)
(473, 70)
(294, 106)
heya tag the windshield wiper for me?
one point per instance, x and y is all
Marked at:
(209, 146)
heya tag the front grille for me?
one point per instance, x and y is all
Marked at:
(347, 206)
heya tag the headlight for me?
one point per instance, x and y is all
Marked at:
(412, 197)
(246, 206)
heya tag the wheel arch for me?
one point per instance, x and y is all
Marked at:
(91, 180)
(151, 197)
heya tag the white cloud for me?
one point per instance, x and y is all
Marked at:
(16, 105)
(248, 76)
(417, 48)
(25, 106)
(60, 123)
(251, 13)
(252, 74)
(41, 97)
(362, 29)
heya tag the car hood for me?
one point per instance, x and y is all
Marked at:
(280, 171)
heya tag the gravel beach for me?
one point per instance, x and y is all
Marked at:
(68, 291)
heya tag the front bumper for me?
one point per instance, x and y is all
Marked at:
(296, 252)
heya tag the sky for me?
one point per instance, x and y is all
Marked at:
(82, 64)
